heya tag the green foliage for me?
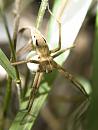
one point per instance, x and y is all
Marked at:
(41, 13)
(5, 63)
(93, 117)
(26, 123)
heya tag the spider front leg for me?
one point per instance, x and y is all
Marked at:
(24, 61)
(35, 87)
(59, 26)
(62, 51)
(58, 49)
(59, 44)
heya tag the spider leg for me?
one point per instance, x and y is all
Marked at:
(35, 87)
(24, 61)
(62, 51)
(34, 90)
(59, 26)
(71, 78)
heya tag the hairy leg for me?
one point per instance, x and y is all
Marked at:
(71, 78)
(59, 26)
(35, 87)
(25, 61)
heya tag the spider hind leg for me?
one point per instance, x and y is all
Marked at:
(72, 79)
(34, 90)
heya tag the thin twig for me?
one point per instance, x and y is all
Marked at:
(16, 21)
(7, 32)
(11, 42)
(13, 57)
(9, 82)
(41, 13)
(15, 32)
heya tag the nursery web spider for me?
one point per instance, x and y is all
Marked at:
(43, 61)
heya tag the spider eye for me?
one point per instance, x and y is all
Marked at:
(34, 40)
(33, 37)
(44, 40)
(37, 43)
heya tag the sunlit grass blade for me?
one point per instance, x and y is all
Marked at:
(5, 63)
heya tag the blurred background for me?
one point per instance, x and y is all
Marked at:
(66, 107)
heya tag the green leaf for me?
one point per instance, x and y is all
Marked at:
(41, 13)
(93, 117)
(4, 62)
(26, 123)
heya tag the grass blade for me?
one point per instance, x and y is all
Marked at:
(41, 13)
(26, 123)
(5, 63)
(93, 118)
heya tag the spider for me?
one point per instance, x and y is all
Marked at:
(42, 61)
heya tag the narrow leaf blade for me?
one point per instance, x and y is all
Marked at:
(27, 122)
(4, 62)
